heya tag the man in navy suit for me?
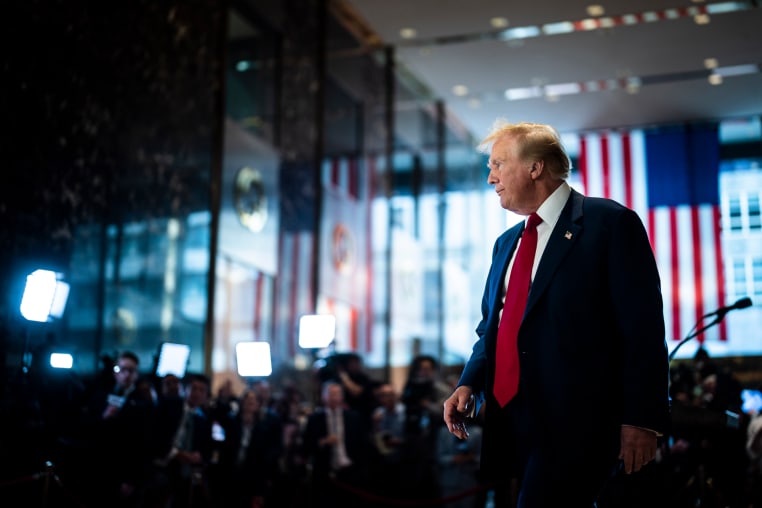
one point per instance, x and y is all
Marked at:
(335, 441)
(592, 374)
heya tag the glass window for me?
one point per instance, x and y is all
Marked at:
(754, 212)
(736, 219)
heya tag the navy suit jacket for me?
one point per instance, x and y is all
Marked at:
(591, 344)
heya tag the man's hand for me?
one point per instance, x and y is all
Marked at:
(456, 408)
(638, 448)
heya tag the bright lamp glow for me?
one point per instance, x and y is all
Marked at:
(253, 359)
(173, 359)
(44, 296)
(316, 330)
(61, 360)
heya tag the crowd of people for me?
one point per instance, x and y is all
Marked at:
(136, 440)
(130, 439)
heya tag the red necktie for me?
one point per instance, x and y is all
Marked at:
(507, 357)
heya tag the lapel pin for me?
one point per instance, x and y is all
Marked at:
(568, 235)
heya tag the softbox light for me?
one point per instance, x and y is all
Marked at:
(253, 359)
(61, 360)
(45, 296)
(316, 331)
(173, 359)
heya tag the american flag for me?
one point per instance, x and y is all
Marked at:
(347, 194)
(293, 289)
(345, 274)
(669, 176)
(293, 293)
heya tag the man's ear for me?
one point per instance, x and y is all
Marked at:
(537, 169)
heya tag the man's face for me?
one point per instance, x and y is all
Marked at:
(387, 397)
(125, 372)
(510, 176)
(170, 386)
(333, 396)
(198, 394)
(250, 403)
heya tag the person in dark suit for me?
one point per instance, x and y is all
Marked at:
(590, 367)
(248, 460)
(335, 441)
(182, 448)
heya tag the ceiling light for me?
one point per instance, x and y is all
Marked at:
(562, 27)
(244, 65)
(711, 63)
(522, 32)
(460, 90)
(607, 22)
(715, 79)
(498, 22)
(515, 94)
(562, 89)
(723, 7)
(737, 70)
(595, 10)
(408, 33)
(633, 85)
(650, 17)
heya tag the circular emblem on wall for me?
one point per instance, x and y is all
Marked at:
(249, 199)
(343, 248)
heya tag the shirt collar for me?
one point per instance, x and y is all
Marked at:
(550, 209)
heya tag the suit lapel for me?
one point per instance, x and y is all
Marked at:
(562, 238)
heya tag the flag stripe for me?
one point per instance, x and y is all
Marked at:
(605, 170)
(616, 182)
(697, 265)
(369, 195)
(293, 290)
(629, 202)
(352, 177)
(674, 263)
(258, 284)
(719, 272)
(293, 295)
(277, 339)
(353, 339)
(583, 164)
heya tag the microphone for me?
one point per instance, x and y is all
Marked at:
(740, 304)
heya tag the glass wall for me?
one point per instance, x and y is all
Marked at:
(217, 187)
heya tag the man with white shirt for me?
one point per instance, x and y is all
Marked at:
(183, 433)
(570, 359)
(335, 441)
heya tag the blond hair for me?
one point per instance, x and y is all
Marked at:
(536, 142)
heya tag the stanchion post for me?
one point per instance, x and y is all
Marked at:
(46, 482)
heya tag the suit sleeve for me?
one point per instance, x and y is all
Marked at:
(475, 372)
(638, 307)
